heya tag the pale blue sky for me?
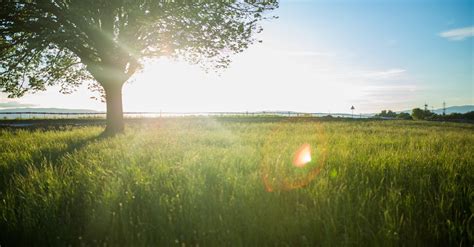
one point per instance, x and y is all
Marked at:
(321, 56)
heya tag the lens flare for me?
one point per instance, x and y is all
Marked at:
(302, 156)
(282, 168)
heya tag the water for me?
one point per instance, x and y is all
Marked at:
(47, 115)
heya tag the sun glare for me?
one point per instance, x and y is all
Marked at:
(166, 85)
(170, 85)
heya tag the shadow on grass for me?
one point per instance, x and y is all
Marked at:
(71, 207)
(41, 156)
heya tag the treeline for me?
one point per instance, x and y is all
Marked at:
(420, 114)
(394, 115)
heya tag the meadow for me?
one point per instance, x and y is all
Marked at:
(230, 181)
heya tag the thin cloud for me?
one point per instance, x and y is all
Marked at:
(383, 74)
(393, 97)
(311, 54)
(458, 34)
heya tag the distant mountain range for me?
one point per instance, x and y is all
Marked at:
(52, 110)
(450, 109)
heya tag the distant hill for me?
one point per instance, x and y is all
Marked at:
(450, 109)
(456, 109)
(52, 110)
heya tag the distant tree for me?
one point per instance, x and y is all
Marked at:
(404, 115)
(67, 42)
(391, 114)
(468, 116)
(419, 114)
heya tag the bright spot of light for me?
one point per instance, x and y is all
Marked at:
(302, 156)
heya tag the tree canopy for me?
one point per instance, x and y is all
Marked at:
(66, 42)
(392, 114)
(419, 114)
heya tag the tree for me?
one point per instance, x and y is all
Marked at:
(404, 115)
(67, 42)
(419, 114)
(392, 114)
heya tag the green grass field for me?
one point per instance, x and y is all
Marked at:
(224, 181)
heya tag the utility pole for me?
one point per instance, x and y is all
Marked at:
(444, 108)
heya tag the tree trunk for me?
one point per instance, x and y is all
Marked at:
(113, 98)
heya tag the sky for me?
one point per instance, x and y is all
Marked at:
(318, 56)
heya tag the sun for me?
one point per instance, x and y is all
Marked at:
(164, 84)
